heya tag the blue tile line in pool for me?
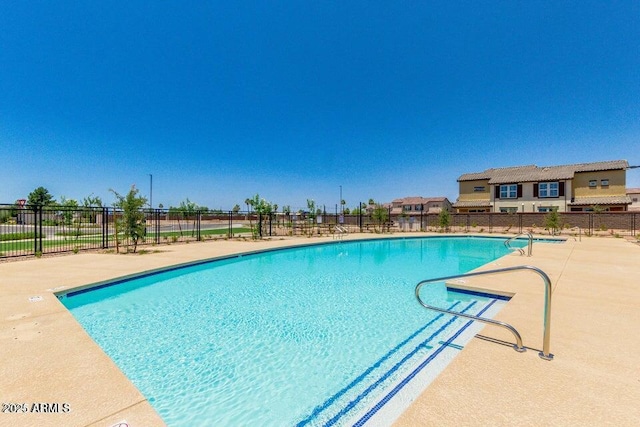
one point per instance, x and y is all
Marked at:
(415, 372)
(373, 386)
(327, 403)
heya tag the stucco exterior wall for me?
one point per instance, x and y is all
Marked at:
(617, 183)
(467, 193)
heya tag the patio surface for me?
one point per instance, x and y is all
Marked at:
(594, 378)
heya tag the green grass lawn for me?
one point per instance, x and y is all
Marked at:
(26, 245)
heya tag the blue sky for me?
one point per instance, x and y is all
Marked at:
(293, 99)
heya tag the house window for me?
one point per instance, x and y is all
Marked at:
(547, 209)
(406, 208)
(478, 189)
(508, 210)
(635, 199)
(509, 191)
(593, 183)
(548, 189)
(417, 208)
(604, 182)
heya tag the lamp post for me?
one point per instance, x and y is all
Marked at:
(523, 208)
(341, 205)
(533, 206)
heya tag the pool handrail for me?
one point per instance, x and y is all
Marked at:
(339, 231)
(507, 243)
(579, 232)
(544, 354)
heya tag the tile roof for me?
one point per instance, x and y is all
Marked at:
(416, 200)
(532, 173)
(471, 204)
(602, 200)
(633, 190)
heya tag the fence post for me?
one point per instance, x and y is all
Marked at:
(105, 219)
(35, 229)
(230, 230)
(198, 220)
(520, 223)
(157, 215)
(270, 221)
(40, 233)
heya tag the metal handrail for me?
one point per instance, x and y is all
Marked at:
(341, 231)
(507, 243)
(544, 354)
(579, 232)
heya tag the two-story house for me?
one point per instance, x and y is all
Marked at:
(565, 188)
(634, 195)
(416, 205)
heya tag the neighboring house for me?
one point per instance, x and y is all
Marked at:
(416, 205)
(567, 188)
(634, 195)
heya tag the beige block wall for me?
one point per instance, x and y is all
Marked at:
(617, 183)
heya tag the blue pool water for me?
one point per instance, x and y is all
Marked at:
(319, 335)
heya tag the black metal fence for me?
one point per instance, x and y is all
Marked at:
(33, 230)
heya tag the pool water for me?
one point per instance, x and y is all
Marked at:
(318, 335)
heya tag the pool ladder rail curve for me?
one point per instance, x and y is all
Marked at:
(545, 353)
(339, 232)
(507, 243)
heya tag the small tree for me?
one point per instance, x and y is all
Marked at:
(89, 202)
(132, 224)
(236, 209)
(444, 219)
(380, 215)
(69, 206)
(552, 221)
(263, 209)
(311, 205)
(190, 210)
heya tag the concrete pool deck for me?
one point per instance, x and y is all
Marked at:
(594, 378)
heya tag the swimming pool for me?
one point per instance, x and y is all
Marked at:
(319, 335)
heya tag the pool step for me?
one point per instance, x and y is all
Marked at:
(366, 393)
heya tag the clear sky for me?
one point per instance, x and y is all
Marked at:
(220, 100)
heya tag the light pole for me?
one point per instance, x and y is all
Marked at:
(341, 205)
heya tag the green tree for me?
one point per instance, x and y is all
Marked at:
(132, 222)
(552, 221)
(40, 197)
(186, 210)
(236, 209)
(311, 206)
(380, 216)
(190, 210)
(263, 208)
(88, 204)
(444, 219)
(69, 207)
(92, 201)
